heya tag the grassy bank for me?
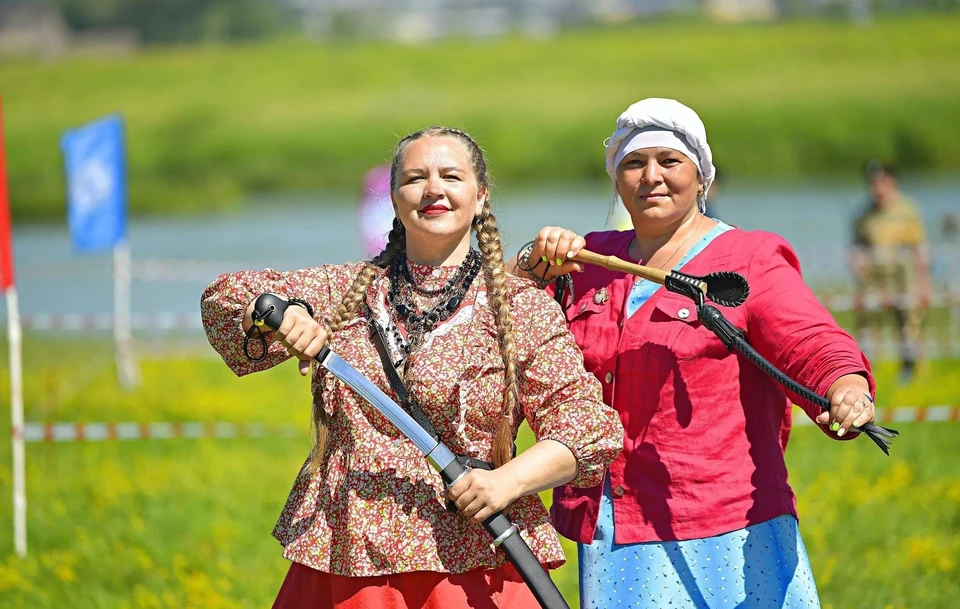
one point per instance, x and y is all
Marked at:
(209, 124)
(186, 523)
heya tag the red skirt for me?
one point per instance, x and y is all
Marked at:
(306, 588)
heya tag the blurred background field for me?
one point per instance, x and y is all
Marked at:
(250, 125)
(210, 124)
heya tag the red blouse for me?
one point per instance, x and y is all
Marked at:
(705, 429)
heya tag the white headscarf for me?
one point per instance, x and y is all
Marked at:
(671, 116)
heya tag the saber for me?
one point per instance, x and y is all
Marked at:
(268, 311)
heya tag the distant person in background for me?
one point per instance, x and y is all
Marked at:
(375, 210)
(889, 259)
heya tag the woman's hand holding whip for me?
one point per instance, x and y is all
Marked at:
(850, 405)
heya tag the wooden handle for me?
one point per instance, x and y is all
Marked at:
(613, 263)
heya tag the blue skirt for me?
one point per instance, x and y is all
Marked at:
(764, 566)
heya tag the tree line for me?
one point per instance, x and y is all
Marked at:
(168, 21)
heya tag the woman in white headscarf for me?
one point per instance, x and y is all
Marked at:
(696, 511)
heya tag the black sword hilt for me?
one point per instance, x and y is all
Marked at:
(507, 537)
(268, 311)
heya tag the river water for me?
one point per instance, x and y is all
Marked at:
(176, 257)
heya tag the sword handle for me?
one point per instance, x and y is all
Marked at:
(268, 310)
(506, 536)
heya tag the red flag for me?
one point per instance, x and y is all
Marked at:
(6, 242)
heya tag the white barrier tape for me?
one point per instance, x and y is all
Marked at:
(181, 270)
(148, 269)
(814, 260)
(100, 432)
(79, 322)
(902, 414)
(845, 302)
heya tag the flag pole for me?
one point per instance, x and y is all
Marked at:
(14, 338)
(122, 306)
(122, 332)
(15, 343)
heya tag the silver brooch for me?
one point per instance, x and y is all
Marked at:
(601, 296)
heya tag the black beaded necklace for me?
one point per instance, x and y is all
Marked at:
(419, 323)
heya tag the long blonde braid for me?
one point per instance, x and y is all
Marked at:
(488, 240)
(351, 303)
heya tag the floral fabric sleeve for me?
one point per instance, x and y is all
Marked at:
(560, 399)
(224, 302)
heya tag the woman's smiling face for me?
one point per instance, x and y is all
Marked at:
(658, 184)
(437, 194)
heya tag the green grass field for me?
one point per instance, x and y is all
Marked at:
(208, 124)
(186, 523)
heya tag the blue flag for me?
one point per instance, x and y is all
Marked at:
(95, 162)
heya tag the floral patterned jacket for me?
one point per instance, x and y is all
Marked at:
(376, 507)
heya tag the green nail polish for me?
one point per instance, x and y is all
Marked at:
(559, 261)
(544, 258)
(835, 426)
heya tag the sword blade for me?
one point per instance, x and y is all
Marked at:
(438, 454)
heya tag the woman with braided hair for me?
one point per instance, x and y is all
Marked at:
(368, 523)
